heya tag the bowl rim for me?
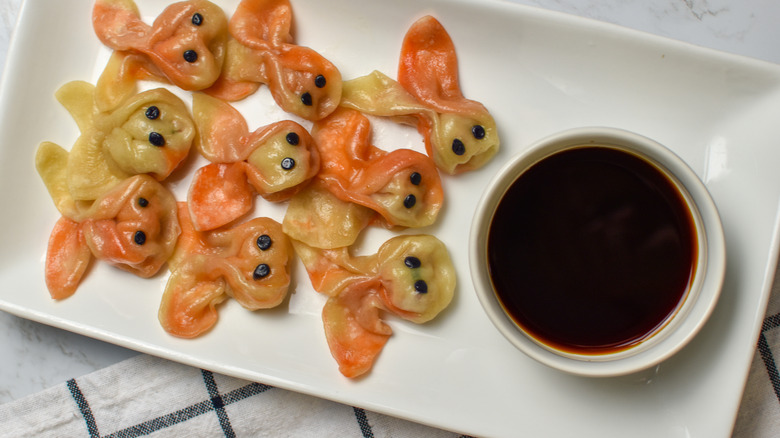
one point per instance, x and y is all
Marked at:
(691, 315)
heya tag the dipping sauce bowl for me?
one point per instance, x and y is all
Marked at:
(598, 252)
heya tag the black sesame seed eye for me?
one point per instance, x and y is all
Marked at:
(197, 19)
(320, 81)
(139, 237)
(293, 138)
(156, 139)
(143, 202)
(261, 271)
(190, 56)
(152, 112)
(420, 286)
(412, 262)
(288, 163)
(306, 99)
(264, 242)
(478, 132)
(458, 147)
(415, 178)
(409, 201)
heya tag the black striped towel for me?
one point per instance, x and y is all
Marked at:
(147, 396)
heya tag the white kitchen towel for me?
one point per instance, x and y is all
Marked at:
(759, 412)
(148, 396)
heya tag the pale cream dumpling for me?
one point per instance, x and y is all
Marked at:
(284, 161)
(319, 219)
(407, 200)
(460, 141)
(418, 275)
(152, 134)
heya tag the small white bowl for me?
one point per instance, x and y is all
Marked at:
(690, 315)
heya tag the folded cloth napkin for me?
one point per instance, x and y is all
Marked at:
(148, 396)
(759, 412)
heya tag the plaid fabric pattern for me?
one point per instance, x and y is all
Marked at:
(767, 355)
(148, 396)
(216, 403)
(759, 412)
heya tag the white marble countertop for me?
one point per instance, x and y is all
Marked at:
(36, 356)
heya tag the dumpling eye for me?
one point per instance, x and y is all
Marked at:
(197, 19)
(293, 138)
(320, 81)
(261, 271)
(190, 56)
(306, 99)
(156, 139)
(458, 147)
(264, 242)
(415, 178)
(143, 202)
(288, 163)
(152, 112)
(409, 201)
(412, 262)
(478, 131)
(139, 237)
(420, 286)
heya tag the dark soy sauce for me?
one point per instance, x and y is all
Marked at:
(591, 250)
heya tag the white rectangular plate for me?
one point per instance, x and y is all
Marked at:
(538, 73)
